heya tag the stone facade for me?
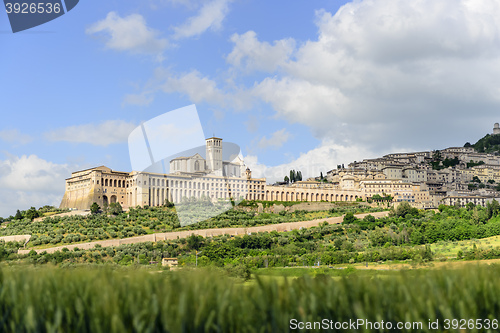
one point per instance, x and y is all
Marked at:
(189, 177)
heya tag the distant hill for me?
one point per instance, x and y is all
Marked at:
(490, 143)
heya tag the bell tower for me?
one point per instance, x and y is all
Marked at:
(248, 173)
(214, 154)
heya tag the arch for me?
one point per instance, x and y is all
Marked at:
(292, 196)
(317, 196)
(105, 200)
(307, 196)
(322, 197)
(106, 182)
(114, 183)
(287, 196)
(113, 199)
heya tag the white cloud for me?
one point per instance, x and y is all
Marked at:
(300, 101)
(321, 159)
(103, 134)
(210, 16)
(142, 99)
(276, 140)
(30, 181)
(251, 54)
(412, 72)
(15, 136)
(129, 33)
(197, 88)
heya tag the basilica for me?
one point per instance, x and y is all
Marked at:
(192, 176)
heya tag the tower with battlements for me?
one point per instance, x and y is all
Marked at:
(496, 129)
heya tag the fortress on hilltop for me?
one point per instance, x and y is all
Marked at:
(496, 129)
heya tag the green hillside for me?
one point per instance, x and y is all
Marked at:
(488, 144)
(53, 231)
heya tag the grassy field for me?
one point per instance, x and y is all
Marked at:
(450, 249)
(114, 299)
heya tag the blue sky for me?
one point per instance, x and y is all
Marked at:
(297, 84)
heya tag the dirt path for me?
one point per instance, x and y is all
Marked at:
(281, 227)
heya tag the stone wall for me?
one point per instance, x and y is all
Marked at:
(16, 238)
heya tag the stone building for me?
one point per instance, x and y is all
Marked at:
(496, 129)
(189, 177)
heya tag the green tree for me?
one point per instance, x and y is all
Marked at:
(286, 179)
(417, 238)
(32, 213)
(378, 237)
(115, 208)
(404, 209)
(194, 242)
(18, 216)
(94, 208)
(349, 218)
(492, 209)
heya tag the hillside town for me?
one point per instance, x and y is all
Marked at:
(426, 179)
